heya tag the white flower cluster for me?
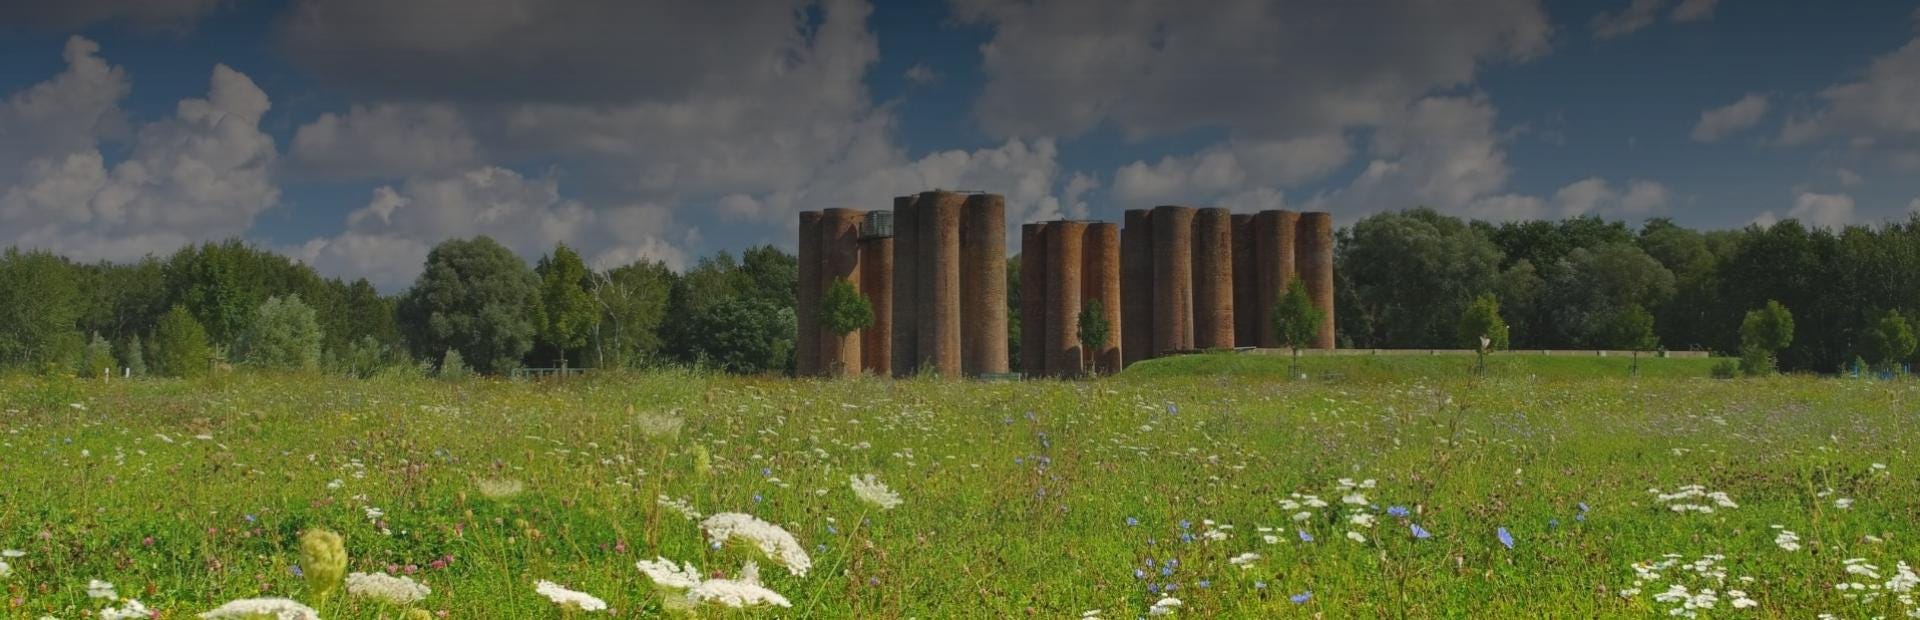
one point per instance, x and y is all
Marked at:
(874, 492)
(1687, 602)
(569, 599)
(387, 588)
(679, 506)
(1164, 607)
(256, 608)
(771, 539)
(746, 591)
(1680, 500)
(1786, 539)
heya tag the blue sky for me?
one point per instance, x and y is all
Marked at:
(354, 134)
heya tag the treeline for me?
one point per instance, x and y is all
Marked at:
(1405, 280)
(1410, 279)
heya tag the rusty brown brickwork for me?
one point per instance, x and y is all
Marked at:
(1313, 261)
(1244, 310)
(983, 284)
(1100, 281)
(938, 275)
(1273, 248)
(1136, 287)
(1065, 242)
(1033, 299)
(840, 253)
(905, 309)
(1212, 279)
(1172, 279)
(876, 283)
(806, 312)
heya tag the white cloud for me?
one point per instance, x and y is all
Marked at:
(1248, 172)
(1732, 118)
(1849, 178)
(1440, 152)
(1264, 69)
(387, 240)
(1914, 207)
(202, 174)
(69, 113)
(1694, 10)
(920, 73)
(1873, 115)
(1823, 210)
(384, 141)
(1636, 16)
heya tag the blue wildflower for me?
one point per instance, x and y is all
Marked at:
(1259, 585)
(1205, 584)
(1132, 522)
(756, 498)
(1420, 532)
(1506, 538)
(1185, 524)
(1301, 598)
(1397, 511)
(1139, 574)
(1166, 571)
(1305, 537)
(1153, 588)
(1553, 523)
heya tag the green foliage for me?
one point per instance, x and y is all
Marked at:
(567, 312)
(1767, 329)
(96, 360)
(40, 306)
(1413, 274)
(1889, 340)
(632, 304)
(452, 366)
(284, 335)
(1755, 361)
(135, 356)
(365, 358)
(843, 310)
(475, 297)
(1629, 328)
(743, 336)
(1295, 318)
(180, 346)
(1482, 320)
(1094, 327)
(1726, 369)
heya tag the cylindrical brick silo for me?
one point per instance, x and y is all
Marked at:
(1172, 279)
(1064, 244)
(840, 250)
(1273, 249)
(806, 311)
(876, 282)
(938, 280)
(1313, 259)
(1033, 299)
(905, 258)
(1100, 281)
(983, 284)
(1136, 287)
(1244, 312)
(1213, 279)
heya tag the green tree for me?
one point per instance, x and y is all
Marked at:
(136, 356)
(1093, 330)
(1482, 320)
(1413, 273)
(40, 307)
(1630, 328)
(180, 345)
(1888, 341)
(96, 360)
(284, 335)
(843, 310)
(632, 306)
(453, 366)
(567, 315)
(1763, 334)
(1296, 320)
(476, 297)
(743, 336)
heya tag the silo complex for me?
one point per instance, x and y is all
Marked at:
(1172, 253)
(983, 285)
(840, 260)
(1033, 299)
(1313, 256)
(1136, 287)
(1212, 247)
(1100, 282)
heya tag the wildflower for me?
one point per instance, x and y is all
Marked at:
(771, 539)
(1398, 512)
(1357, 499)
(1244, 560)
(874, 492)
(1740, 600)
(100, 589)
(323, 557)
(132, 610)
(1304, 536)
(1843, 503)
(1301, 598)
(1506, 538)
(1787, 540)
(1164, 607)
(1363, 519)
(680, 506)
(252, 608)
(735, 593)
(1131, 522)
(12, 553)
(1356, 537)
(662, 571)
(5, 570)
(499, 488)
(1419, 532)
(569, 599)
(386, 588)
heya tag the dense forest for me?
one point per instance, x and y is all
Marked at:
(1407, 279)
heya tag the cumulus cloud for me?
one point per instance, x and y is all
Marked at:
(1249, 173)
(1732, 118)
(1874, 114)
(385, 140)
(920, 73)
(1639, 14)
(65, 15)
(203, 173)
(1694, 10)
(1833, 211)
(1914, 207)
(387, 240)
(1261, 68)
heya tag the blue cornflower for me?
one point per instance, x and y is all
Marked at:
(1553, 523)
(1174, 562)
(1420, 532)
(1172, 410)
(1139, 574)
(832, 530)
(295, 569)
(1132, 522)
(756, 498)
(1172, 586)
(1153, 588)
(1185, 524)
(1149, 562)
(1506, 538)
(766, 472)
(252, 519)
(1305, 537)
(1397, 511)
(1166, 571)
(1582, 517)
(1583, 507)
(1301, 598)
(1186, 537)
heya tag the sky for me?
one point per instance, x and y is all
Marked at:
(353, 135)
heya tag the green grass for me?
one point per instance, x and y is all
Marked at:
(1017, 495)
(1381, 368)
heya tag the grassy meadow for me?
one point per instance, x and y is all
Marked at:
(1390, 491)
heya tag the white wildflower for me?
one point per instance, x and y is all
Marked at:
(1859, 566)
(256, 608)
(387, 588)
(1244, 560)
(662, 571)
(874, 492)
(771, 539)
(1843, 503)
(1356, 537)
(569, 599)
(5, 569)
(12, 553)
(1302, 516)
(679, 506)
(735, 594)
(1357, 499)
(1787, 540)
(131, 610)
(100, 589)
(1364, 519)
(1164, 607)
(1741, 600)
